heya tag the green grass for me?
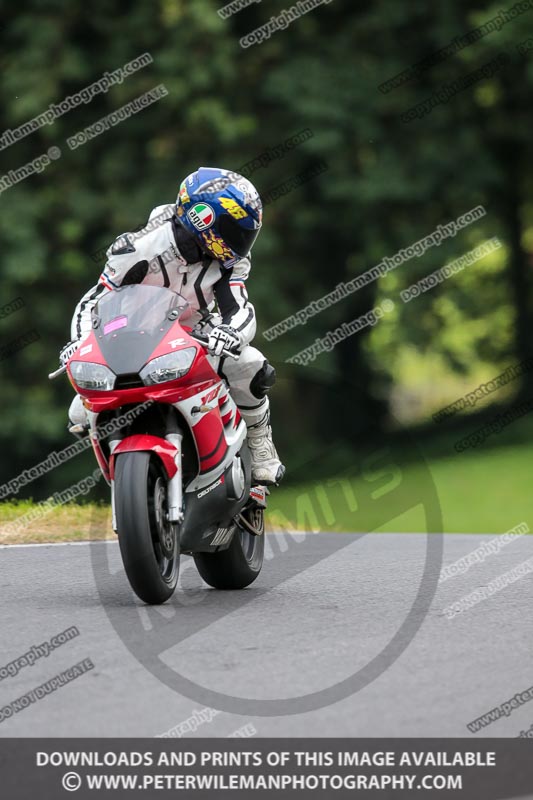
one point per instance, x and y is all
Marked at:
(489, 493)
(479, 491)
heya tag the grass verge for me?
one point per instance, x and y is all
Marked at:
(482, 491)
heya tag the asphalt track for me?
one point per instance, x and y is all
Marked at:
(320, 612)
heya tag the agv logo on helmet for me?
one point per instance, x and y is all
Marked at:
(202, 216)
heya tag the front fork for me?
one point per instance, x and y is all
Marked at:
(175, 484)
(113, 444)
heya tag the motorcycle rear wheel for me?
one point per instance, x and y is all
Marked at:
(239, 565)
(149, 543)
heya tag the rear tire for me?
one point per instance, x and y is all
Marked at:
(239, 565)
(149, 544)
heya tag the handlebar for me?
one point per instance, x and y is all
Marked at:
(57, 373)
(203, 339)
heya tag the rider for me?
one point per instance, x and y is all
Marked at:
(200, 247)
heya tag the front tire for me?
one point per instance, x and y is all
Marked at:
(239, 565)
(149, 544)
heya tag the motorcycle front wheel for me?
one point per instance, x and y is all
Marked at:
(149, 543)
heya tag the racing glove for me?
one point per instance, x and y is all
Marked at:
(221, 337)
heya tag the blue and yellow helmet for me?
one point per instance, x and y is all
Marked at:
(222, 210)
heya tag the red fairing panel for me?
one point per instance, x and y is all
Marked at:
(146, 443)
(102, 463)
(171, 392)
(88, 351)
(210, 440)
(177, 338)
(226, 418)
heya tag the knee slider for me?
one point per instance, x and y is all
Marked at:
(263, 380)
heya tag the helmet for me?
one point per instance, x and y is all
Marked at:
(222, 211)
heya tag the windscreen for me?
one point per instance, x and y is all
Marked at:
(137, 308)
(130, 322)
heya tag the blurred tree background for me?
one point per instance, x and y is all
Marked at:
(388, 184)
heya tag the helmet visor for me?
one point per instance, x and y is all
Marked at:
(239, 239)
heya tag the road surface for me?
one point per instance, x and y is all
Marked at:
(325, 607)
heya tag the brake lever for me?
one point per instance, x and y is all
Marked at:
(200, 337)
(231, 354)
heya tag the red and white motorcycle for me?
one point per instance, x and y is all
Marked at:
(177, 460)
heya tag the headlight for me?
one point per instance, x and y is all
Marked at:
(169, 367)
(92, 376)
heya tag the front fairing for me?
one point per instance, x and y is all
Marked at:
(131, 326)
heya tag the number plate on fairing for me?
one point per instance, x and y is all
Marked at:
(259, 495)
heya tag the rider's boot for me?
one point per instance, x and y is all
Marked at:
(267, 469)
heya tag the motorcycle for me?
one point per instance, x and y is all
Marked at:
(176, 459)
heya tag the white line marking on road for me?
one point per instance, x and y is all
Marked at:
(111, 541)
(57, 544)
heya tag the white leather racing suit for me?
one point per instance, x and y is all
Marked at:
(163, 254)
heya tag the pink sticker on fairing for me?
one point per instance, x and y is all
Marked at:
(115, 324)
